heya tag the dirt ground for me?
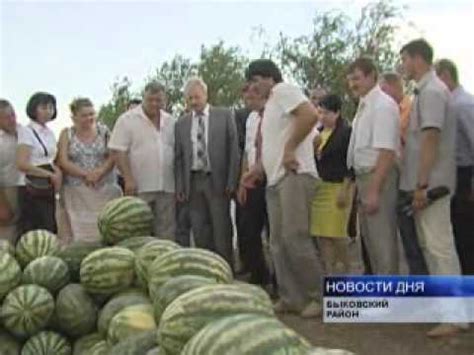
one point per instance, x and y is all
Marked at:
(381, 339)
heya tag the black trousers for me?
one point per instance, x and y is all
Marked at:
(251, 220)
(37, 212)
(183, 224)
(462, 217)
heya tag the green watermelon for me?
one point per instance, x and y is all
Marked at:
(34, 244)
(99, 348)
(108, 270)
(50, 272)
(76, 313)
(85, 343)
(26, 310)
(175, 287)
(74, 253)
(149, 252)
(248, 334)
(9, 345)
(47, 343)
(138, 344)
(193, 310)
(135, 243)
(155, 351)
(187, 261)
(123, 218)
(130, 321)
(116, 304)
(10, 275)
(7, 246)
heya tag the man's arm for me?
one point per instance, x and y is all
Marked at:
(6, 213)
(305, 117)
(178, 162)
(234, 155)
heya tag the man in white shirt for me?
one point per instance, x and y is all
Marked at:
(372, 154)
(290, 169)
(10, 178)
(143, 143)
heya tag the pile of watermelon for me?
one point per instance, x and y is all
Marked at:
(130, 294)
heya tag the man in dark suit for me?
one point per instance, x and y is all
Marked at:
(207, 168)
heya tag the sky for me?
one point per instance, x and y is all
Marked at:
(78, 48)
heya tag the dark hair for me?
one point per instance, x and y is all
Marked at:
(265, 68)
(5, 104)
(331, 102)
(391, 77)
(365, 64)
(79, 103)
(443, 65)
(419, 47)
(154, 87)
(134, 102)
(40, 98)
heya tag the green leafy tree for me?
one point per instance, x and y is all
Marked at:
(121, 96)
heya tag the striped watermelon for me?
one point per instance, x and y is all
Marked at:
(175, 287)
(248, 334)
(116, 304)
(193, 310)
(100, 348)
(10, 275)
(74, 253)
(138, 344)
(76, 313)
(149, 252)
(135, 243)
(130, 321)
(108, 270)
(27, 309)
(85, 343)
(50, 272)
(34, 244)
(187, 261)
(123, 218)
(9, 345)
(47, 343)
(7, 246)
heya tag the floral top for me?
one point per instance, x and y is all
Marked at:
(89, 156)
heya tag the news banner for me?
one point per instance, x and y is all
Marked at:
(398, 299)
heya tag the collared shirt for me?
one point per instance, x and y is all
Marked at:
(376, 126)
(194, 133)
(251, 137)
(150, 151)
(405, 108)
(463, 111)
(10, 176)
(276, 129)
(430, 109)
(39, 156)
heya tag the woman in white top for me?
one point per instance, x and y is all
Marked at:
(35, 157)
(89, 175)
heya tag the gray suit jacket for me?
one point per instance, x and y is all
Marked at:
(222, 147)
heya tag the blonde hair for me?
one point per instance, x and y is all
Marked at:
(78, 103)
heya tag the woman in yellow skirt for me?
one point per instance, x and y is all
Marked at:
(333, 200)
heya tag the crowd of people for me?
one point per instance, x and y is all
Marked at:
(305, 180)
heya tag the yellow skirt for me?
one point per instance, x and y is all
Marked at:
(327, 219)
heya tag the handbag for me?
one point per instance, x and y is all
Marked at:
(40, 186)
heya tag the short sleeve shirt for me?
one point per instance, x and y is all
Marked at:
(9, 174)
(276, 129)
(150, 151)
(430, 109)
(41, 154)
(376, 126)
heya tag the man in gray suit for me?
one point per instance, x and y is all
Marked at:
(207, 168)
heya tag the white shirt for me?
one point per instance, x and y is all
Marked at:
(194, 133)
(251, 128)
(150, 151)
(27, 137)
(9, 174)
(276, 128)
(376, 126)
